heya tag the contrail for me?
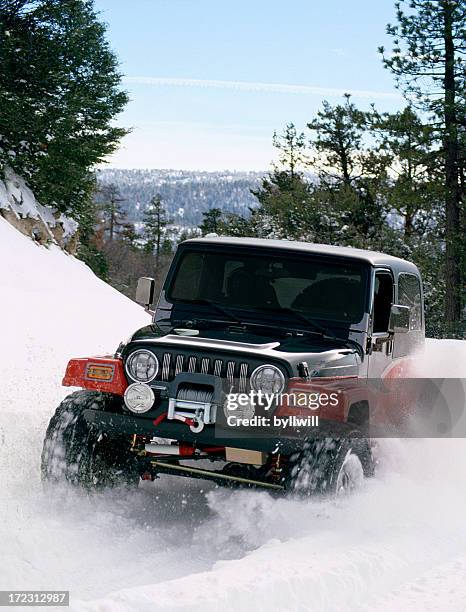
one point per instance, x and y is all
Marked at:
(280, 88)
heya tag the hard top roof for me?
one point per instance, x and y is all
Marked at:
(372, 257)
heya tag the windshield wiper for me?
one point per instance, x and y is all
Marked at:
(218, 308)
(322, 331)
(231, 317)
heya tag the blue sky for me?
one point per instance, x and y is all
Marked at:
(210, 80)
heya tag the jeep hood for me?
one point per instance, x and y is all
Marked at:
(324, 357)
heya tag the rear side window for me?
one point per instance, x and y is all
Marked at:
(409, 294)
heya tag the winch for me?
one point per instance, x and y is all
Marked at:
(194, 405)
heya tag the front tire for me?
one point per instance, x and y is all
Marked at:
(331, 466)
(76, 452)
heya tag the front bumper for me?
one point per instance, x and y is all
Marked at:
(272, 441)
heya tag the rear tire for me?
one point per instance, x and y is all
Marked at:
(76, 452)
(330, 466)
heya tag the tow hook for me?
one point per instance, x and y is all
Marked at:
(197, 426)
(194, 423)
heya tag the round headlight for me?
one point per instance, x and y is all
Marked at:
(268, 379)
(142, 366)
(139, 398)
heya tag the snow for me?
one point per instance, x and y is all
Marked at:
(399, 544)
(15, 195)
(70, 226)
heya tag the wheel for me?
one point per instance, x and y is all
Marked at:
(330, 466)
(78, 453)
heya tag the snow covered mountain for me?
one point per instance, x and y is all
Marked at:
(174, 545)
(185, 194)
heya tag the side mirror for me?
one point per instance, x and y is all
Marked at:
(399, 319)
(145, 291)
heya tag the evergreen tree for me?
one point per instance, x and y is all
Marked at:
(351, 168)
(129, 235)
(90, 247)
(187, 234)
(428, 61)
(415, 188)
(59, 95)
(113, 215)
(338, 135)
(292, 155)
(285, 199)
(257, 224)
(155, 222)
(166, 248)
(284, 194)
(212, 221)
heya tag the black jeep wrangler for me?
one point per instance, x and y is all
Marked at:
(256, 363)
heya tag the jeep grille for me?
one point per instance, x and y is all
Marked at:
(234, 371)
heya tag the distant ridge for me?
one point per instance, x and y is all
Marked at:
(185, 193)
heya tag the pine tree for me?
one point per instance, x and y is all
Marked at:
(414, 190)
(212, 221)
(90, 247)
(292, 155)
(338, 134)
(351, 168)
(59, 95)
(113, 215)
(284, 194)
(129, 235)
(155, 221)
(428, 61)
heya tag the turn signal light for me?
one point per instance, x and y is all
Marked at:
(98, 371)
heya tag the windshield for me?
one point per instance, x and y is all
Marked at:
(255, 283)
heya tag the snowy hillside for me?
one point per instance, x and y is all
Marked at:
(398, 545)
(44, 224)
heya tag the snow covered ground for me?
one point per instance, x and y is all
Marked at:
(177, 545)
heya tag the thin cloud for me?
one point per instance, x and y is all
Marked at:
(280, 88)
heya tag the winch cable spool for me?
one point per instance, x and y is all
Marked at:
(191, 393)
(195, 394)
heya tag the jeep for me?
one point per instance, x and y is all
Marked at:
(253, 372)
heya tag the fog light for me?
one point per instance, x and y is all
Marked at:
(240, 408)
(139, 398)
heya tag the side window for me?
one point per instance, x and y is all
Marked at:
(409, 294)
(383, 298)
